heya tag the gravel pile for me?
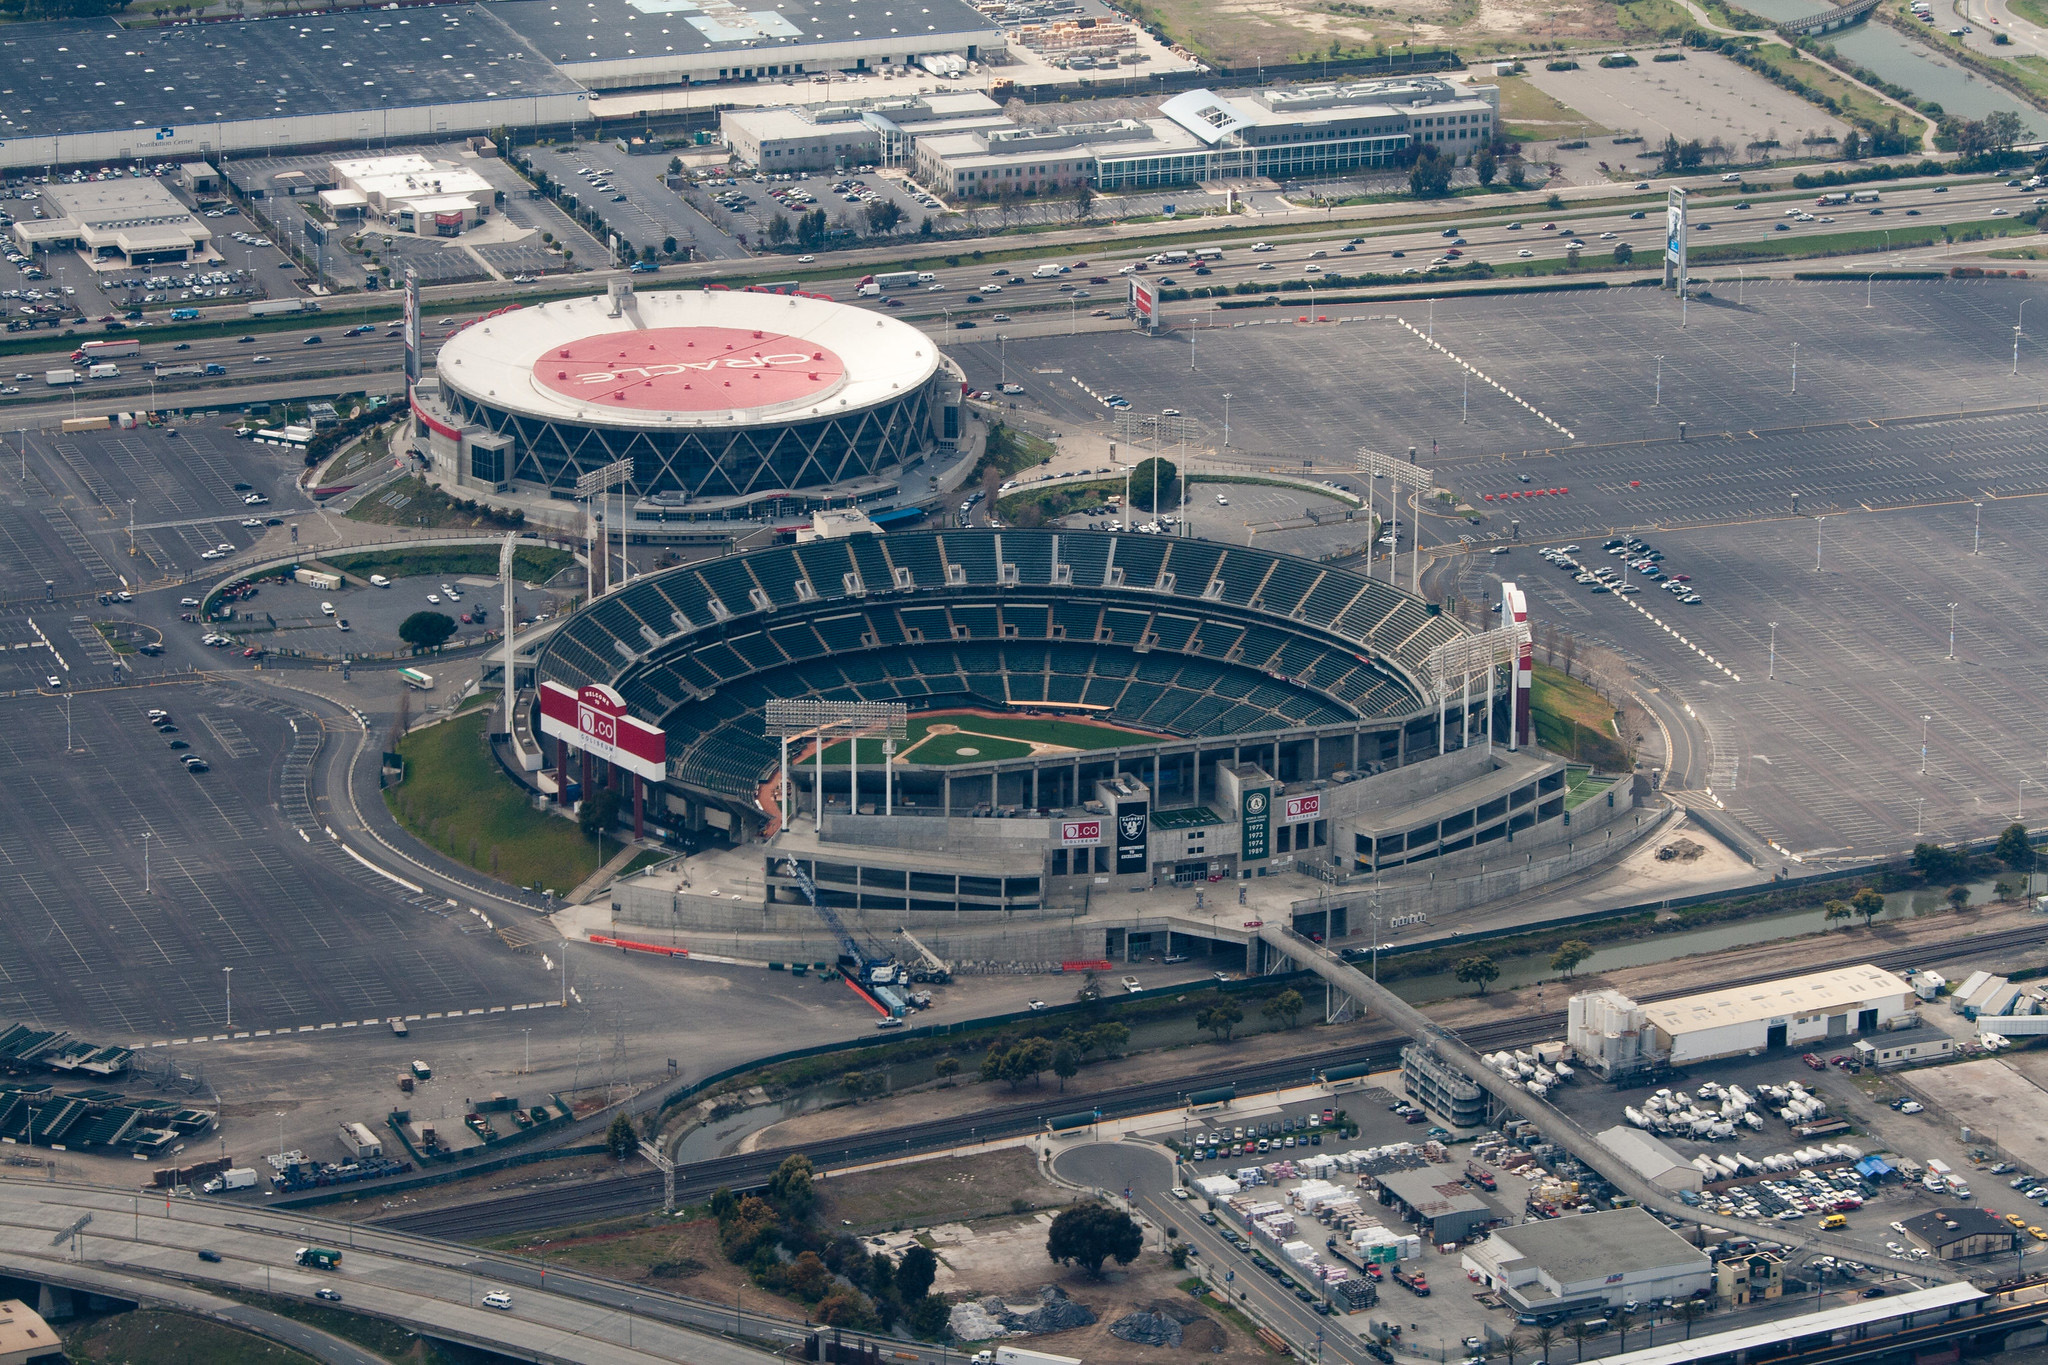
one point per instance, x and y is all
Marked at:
(972, 1322)
(1055, 1313)
(1147, 1329)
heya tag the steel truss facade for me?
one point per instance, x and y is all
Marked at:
(551, 454)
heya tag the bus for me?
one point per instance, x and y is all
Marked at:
(412, 677)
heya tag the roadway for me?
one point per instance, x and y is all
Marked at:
(291, 363)
(433, 1288)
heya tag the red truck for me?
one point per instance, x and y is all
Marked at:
(1816, 1063)
(1416, 1284)
(1479, 1176)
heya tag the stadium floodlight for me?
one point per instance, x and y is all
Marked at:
(1452, 664)
(588, 487)
(1399, 474)
(790, 718)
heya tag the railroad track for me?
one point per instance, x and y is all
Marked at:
(636, 1194)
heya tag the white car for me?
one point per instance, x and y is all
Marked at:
(499, 1300)
(1525, 253)
(805, 260)
(1130, 983)
(54, 681)
(1898, 1227)
(225, 549)
(1262, 246)
(1036, 1004)
(1912, 1107)
(209, 554)
(434, 598)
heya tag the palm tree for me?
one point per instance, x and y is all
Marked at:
(1692, 1310)
(1579, 1333)
(1620, 1321)
(1545, 1337)
(1514, 1343)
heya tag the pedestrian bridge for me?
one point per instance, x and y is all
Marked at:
(1813, 25)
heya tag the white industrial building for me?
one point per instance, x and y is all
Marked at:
(411, 193)
(122, 222)
(828, 136)
(1202, 136)
(1589, 1262)
(1652, 1158)
(1613, 1035)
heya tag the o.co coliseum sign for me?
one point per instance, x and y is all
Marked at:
(596, 721)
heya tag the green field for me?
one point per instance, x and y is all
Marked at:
(151, 1337)
(1573, 720)
(455, 799)
(530, 563)
(992, 736)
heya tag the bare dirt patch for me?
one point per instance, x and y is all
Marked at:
(1005, 1181)
(1242, 31)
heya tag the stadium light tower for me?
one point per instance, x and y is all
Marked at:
(588, 487)
(1398, 474)
(807, 717)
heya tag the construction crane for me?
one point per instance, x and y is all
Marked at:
(867, 967)
(937, 968)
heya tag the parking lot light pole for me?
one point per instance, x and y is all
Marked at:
(228, 975)
(1774, 652)
(1795, 367)
(1951, 632)
(1002, 359)
(1868, 282)
(1923, 757)
(1977, 536)
(2017, 332)
(1818, 522)
(1226, 425)
(1659, 400)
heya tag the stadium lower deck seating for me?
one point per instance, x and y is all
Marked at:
(1116, 624)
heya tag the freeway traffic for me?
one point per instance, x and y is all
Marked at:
(1498, 235)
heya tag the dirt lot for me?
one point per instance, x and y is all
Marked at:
(1001, 1182)
(1705, 96)
(1241, 31)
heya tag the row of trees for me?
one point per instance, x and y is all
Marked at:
(1222, 1017)
(1027, 1059)
(776, 1236)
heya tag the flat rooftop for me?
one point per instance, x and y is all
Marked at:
(1591, 1245)
(1819, 993)
(92, 76)
(575, 31)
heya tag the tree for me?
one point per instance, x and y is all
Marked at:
(916, 1271)
(789, 1189)
(724, 1204)
(842, 1307)
(1932, 861)
(924, 226)
(1084, 200)
(598, 813)
(1484, 166)
(1284, 1008)
(1580, 1334)
(1518, 173)
(1868, 903)
(1110, 1037)
(1479, 969)
(1691, 1311)
(619, 1139)
(1958, 898)
(1220, 1018)
(1155, 484)
(808, 1278)
(946, 1066)
(1852, 146)
(883, 215)
(1569, 955)
(1430, 176)
(881, 1276)
(1620, 1322)
(668, 246)
(1835, 910)
(1623, 253)
(1086, 1235)
(811, 229)
(1066, 1063)
(675, 165)
(1514, 1343)
(426, 629)
(778, 229)
(1544, 1338)
(2015, 849)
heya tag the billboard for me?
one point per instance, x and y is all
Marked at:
(1300, 808)
(1144, 303)
(411, 326)
(1674, 231)
(1258, 826)
(1080, 833)
(1514, 610)
(596, 721)
(1132, 826)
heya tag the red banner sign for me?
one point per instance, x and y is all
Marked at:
(1080, 832)
(1304, 808)
(596, 721)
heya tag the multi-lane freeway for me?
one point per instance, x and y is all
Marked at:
(982, 294)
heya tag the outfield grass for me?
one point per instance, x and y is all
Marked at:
(1572, 719)
(530, 563)
(995, 736)
(455, 799)
(412, 501)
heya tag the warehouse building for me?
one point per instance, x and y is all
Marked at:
(1585, 1264)
(410, 193)
(1957, 1234)
(1652, 1159)
(119, 223)
(1614, 1036)
(1439, 1205)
